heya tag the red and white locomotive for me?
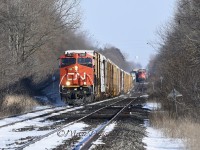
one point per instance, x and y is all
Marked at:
(76, 74)
(89, 74)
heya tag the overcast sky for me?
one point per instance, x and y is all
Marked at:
(127, 24)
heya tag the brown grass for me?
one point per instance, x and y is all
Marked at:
(185, 129)
(16, 104)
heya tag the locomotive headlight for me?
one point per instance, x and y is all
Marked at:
(84, 83)
(76, 68)
(67, 83)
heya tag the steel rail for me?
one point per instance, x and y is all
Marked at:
(17, 115)
(44, 114)
(31, 118)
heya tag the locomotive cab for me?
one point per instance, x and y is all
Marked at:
(76, 76)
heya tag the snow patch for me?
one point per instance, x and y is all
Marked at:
(54, 140)
(37, 108)
(155, 140)
(11, 134)
(26, 116)
(109, 128)
(105, 132)
(144, 96)
(152, 106)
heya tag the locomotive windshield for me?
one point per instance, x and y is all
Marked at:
(67, 61)
(85, 62)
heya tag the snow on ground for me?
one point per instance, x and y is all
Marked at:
(8, 137)
(10, 134)
(152, 106)
(155, 140)
(37, 108)
(105, 132)
(68, 133)
(145, 96)
(109, 128)
(34, 114)
(26, 116)
(57, 139)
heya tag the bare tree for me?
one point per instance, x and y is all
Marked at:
(28, 27)
(30, 24)
(178, 60)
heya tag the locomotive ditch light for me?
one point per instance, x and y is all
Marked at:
(67, 83)
(84, 83)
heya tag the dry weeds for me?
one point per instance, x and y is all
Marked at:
(185, 129)
(16, 104)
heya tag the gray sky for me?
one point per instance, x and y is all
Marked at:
(127, 24)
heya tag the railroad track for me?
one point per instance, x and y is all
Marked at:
(78, 115)
(63, 127)
(8, 130)
(30, 116)
(11, 120)
(86, 143)
(34, 111)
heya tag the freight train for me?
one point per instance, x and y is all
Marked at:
(87, 74)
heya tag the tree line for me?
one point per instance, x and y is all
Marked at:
(178, 59)
(33, 34)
